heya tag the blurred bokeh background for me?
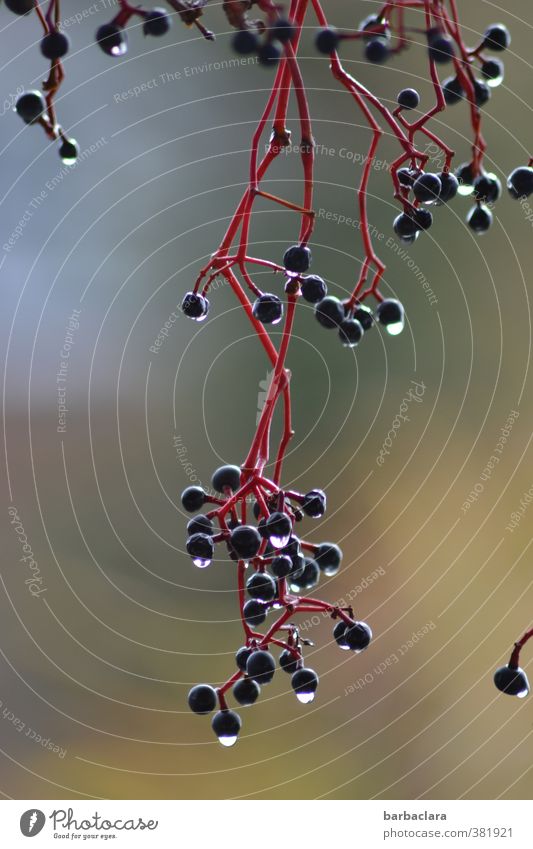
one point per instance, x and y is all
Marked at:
(96, 665)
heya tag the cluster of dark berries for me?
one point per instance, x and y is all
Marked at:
(256, 667)
(496, 39)
(268, 45)
(486, 189)
(427, 190)
(376, 39)
(112, 38)
(31, 106)
(512, 680)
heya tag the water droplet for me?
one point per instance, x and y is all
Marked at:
(465, 190)
(228, 741)
(395, 329)
(495, 82)
(68, 160)
(119, 49)
(201, 562)
(523, 693)
(201, 317)
(305, 698)
(279, 542)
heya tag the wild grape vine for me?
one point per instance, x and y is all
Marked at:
(252, 516)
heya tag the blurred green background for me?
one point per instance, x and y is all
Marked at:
(100, 662)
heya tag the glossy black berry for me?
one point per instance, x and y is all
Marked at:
(288, 661)
(440, 47)
(242, 656)
(497, 37)
(283, 30)
(246, 691)
(268, 309)
(364, 316)
(339, 632)
(479, 219)
(269, 54)
(200, 525)
(245, 541)
(405, 177)
(314, 503)
(297, 259)
(245, 42)
(30, 106)
(482, 92)
(201, 548)
(358, 636)
(350, 332)
(193, 498)
(452, 90)
(313, 288)
(281, 566)
(449, 186)
(304, 683)
(293, 546)
(254, 612)
(297, 566)
(156, 22)
(405, 226)
(408, 98)
(465, 178)
(68, 151)
(278, 527)
(377, 51)
(426, 188)
(261, 666)
(54, 45)
(195, 306)
(390, 314)
(327, 40)
(520, 182)
(487, 188)
(493, 69)
(328, 556)
(309, 577)
(261, 586)
(226, 476)
(202, 699)
(112, 39)
(512, 680)
(329, 312)
(226, 724)
(423, 218)
(373, 24)
(20, 7)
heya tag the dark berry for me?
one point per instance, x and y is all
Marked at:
(487, 188)
(20, 7)
(405, 177)
(195, 306)
(479, 219)
(278, 527)
(449, 185)
(261, 586)
(246, 691)
(30, 106)
(358, 636)
(377, 51)
(350, 332)
(452, 90)
(329, 312)
(112, 39)
(283, 30)
(408, 98)
(314, 503)
(339, 632)
(440, 47)
(226, 724)
(245, 42)
(390, 314)
(261, 667)
(297, 566)
(309, 577)
(201, 548)
(481, 92)
(304, 683)
(193, 498)
(226, 476)
(497, 37)
(373, 24)
(242, 657)
(465, 178)
(245, 541)
(520, 182)
(327, 40)
(281, 566)
(297, 259)
(254, 612)
(156, 22)
(54, 45)
(328, 556)
(200, 525)
(268, 309)
(405, 226)
(288, 661)
(492, 70)
(364, 316)
(68, 151)
(426, 188)
(293, 546)
(423, 218)
(313, 288)
(269, 54)
(202, 699)
(512, 680)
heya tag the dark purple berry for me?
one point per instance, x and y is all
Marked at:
(202, 699)
(261, 666)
